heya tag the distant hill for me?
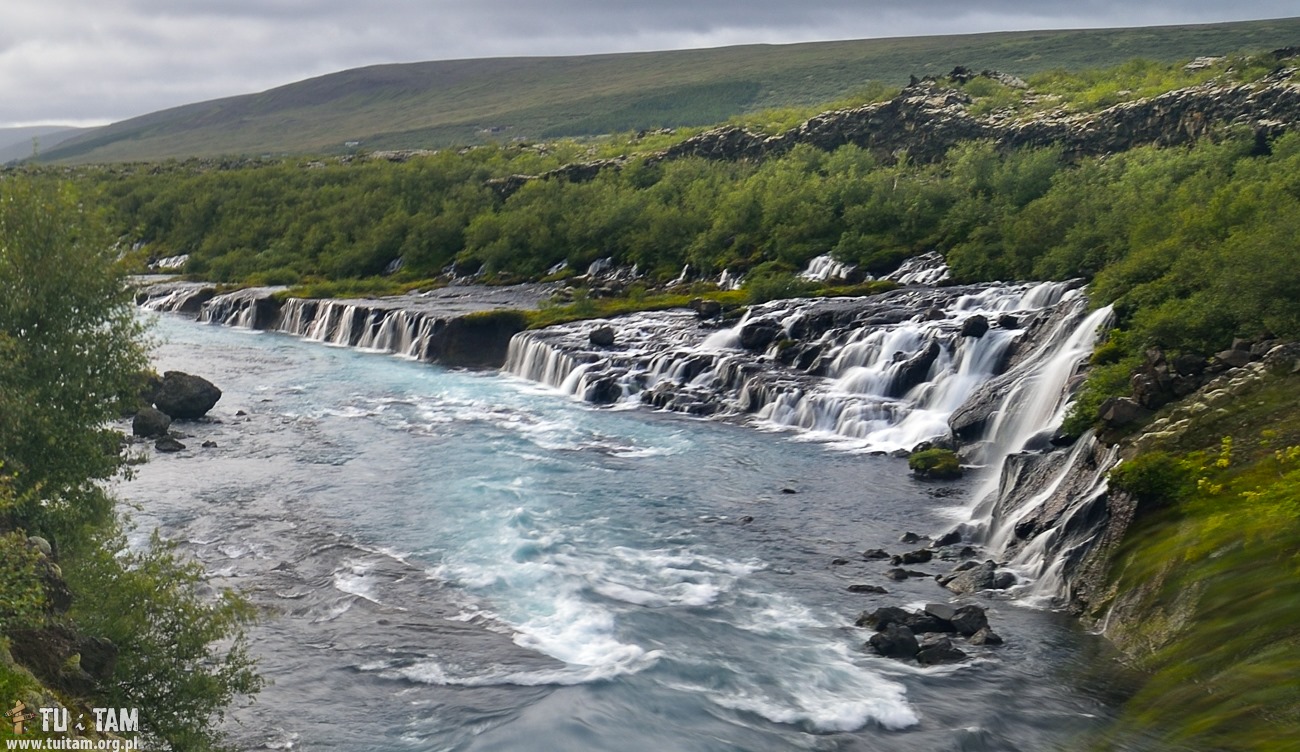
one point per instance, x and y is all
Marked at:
(16, 143)
(438, 104)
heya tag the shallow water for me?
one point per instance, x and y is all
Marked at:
(466, 561)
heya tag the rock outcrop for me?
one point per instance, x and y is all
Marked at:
(931, 115)
(461, 325)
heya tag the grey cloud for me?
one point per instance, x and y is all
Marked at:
(111, 59)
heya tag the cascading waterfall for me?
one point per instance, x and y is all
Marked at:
(399, 331)
(883, 374)
(825, 267)
(391, 328)
(1035, 401)
(1041, 512)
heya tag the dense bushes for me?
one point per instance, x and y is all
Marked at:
(71, 354)
(1155, 479)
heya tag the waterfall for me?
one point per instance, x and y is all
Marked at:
(1037, 398)
(993, 365)
(825, 267)
(926, 269)
(884, 372)
(403, 327)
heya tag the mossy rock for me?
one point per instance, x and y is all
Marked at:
(935, 464)
(477, 340)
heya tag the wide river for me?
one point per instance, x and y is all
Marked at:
(449, 560)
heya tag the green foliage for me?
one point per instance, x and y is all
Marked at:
(588, 308)
(1097, 88)
(169, 664)
(775, 281)
(935, 464)
(367, 287)
(990, 96)
(504, 318)
(1217, 581)
(1155, 479)
(70, 354)
(1113, 361)
(22, 593)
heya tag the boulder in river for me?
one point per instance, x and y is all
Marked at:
(184, 396)
(602, 336)
(168, 444)
(975, 326)
(938, 652)
(978, 577)
(150, 423)
(895, 641)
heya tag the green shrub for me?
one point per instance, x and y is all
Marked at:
(22, 593)
(274, 277)
(935, 464)
(1155, 479)
(181, 658)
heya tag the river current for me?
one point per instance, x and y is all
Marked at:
(450, 560)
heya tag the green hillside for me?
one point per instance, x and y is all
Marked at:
(437, 104)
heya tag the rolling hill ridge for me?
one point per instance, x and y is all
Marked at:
(445, 103)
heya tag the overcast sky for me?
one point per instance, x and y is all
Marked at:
(88, 62)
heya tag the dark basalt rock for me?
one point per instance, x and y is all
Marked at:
(985, 636)
(605, 391)
(969, 619)
(930, 116)
(150, 423)
(1233, 358)
(477, 340)
(976, 578)
(758, 334)
(48, 653)
(914, 369)
(896, 641)
(975, 326)
(168, 444)
(913, 557)
(872, 589)
(184, 396)
(602, 336)
(949, 538)
(1121, 411)
(881, 618)
(939, 652)
(875, 553)
(705, 309)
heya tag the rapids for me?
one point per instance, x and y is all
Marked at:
(451, 560)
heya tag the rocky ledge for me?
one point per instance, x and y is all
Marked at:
(460, 325)
(932, 115)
